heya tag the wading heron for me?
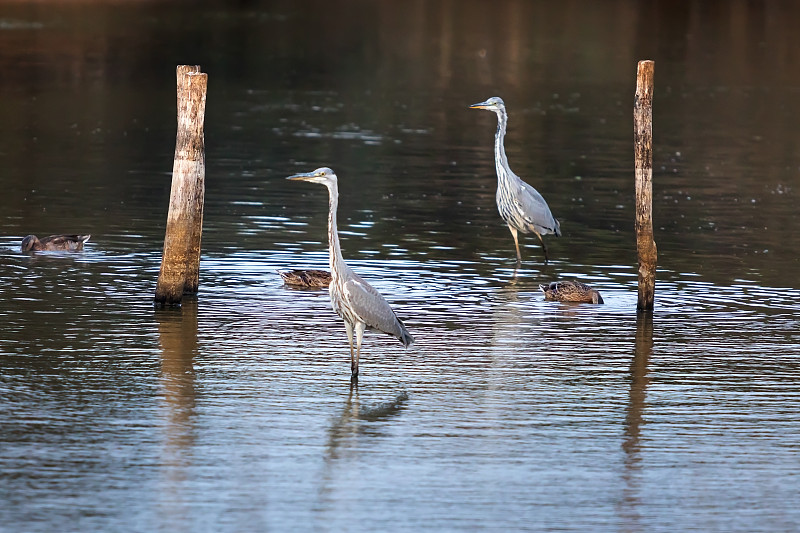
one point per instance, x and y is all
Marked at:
(571, 291)
(353, 299)
(520, 205)
(70, 243)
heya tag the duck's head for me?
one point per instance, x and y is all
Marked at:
(29, 242)
(596, 298)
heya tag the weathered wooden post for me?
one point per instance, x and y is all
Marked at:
(180, 263)
(643, 148)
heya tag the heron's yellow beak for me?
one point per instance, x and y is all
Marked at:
(301, 177)
(480, 105)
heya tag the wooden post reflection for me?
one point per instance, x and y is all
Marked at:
(639, 381)
(177, 332)
(634, 418)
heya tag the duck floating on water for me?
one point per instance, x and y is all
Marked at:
(306, 278)
(70, 243)
(571, 291)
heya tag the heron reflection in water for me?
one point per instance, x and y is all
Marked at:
(520, 205)
(353, 299)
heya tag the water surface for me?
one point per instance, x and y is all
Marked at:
(236, 412)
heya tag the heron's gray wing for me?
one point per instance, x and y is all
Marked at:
(534, 209)
(372, 308)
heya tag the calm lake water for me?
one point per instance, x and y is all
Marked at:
(236, 412)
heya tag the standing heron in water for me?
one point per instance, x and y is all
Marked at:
(353, 299)
(520, 205)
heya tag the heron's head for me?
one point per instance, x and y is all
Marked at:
(322, 175)
(495, 103)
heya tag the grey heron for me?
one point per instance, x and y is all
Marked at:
(353, 299)
(520, 205)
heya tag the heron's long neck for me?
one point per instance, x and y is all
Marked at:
(335, 252)
(500, 159)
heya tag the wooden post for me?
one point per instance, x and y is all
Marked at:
(180, 263)
(643, 148)
(197, 92)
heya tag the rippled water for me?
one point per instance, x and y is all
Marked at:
(236, 412)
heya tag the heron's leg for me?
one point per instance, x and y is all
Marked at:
(546, 259)
(349, 328)
(360, 327)
(516, 243)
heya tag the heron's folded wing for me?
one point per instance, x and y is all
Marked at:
(534, 208)
(372, 307)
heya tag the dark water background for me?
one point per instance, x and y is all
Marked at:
(509, 413)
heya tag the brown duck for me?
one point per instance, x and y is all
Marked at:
(71, 243)
(571, 291)
(306, 278)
